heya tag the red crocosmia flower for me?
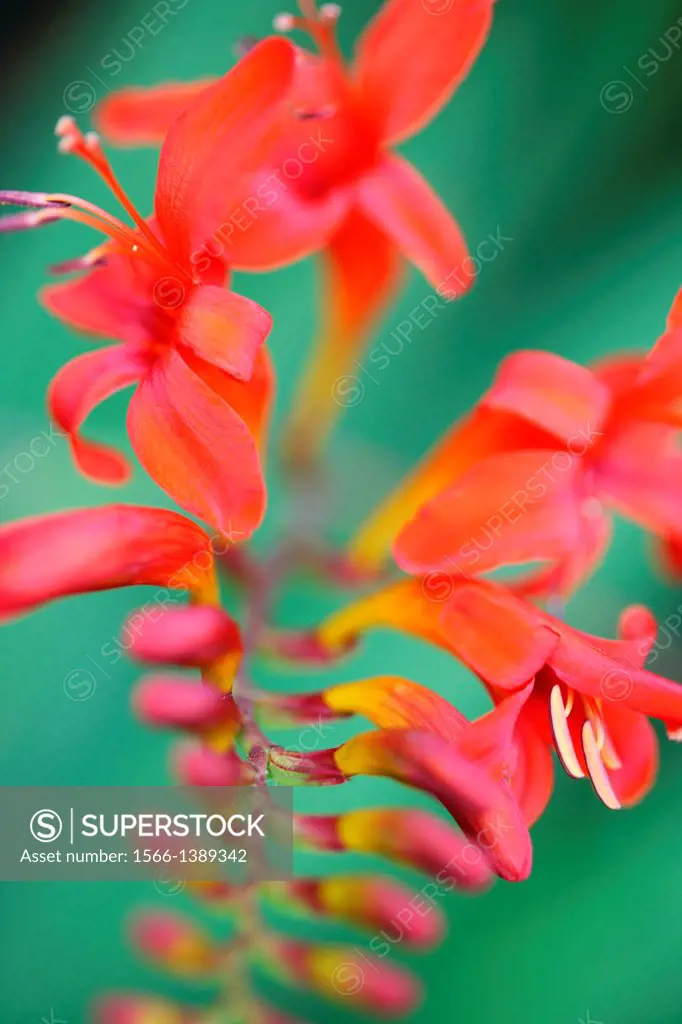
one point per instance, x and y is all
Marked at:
(590, 697)
(391, 702)
(48, 557)
(610, 433)
(426, 743)
(334, 177)
(193, 348)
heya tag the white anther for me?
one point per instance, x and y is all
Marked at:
(562, 735)
(91, 140)
(66, 125)
(284, 22)
(330, 12)
(598, 774)
(67, 144)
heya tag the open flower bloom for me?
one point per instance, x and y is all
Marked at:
(49, 557)
(197, 417)
(590, 697)
(426, 743)
(334, 178)
(609, 433)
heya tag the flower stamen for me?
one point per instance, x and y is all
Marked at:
(597, 772)
(320, 25)
(89, 148)
(562, 734)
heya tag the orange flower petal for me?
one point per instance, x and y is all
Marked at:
(252, 400)
(220, 137)
(404, 606)
(67, 553)
(484, 432)
(141, 117)
(670, 555)
(197, 448)
(405, 207)
(506, 510)
(81, 385)
(224, 329)
(501, 639)
(392, 702)
(411, 59)
(361, 273)
(560, 396)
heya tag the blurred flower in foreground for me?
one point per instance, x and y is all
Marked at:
(194, 348)
(351, 190)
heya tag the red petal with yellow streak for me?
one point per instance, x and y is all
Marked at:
(392, 702)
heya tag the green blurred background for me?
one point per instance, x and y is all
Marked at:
(566, 141)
